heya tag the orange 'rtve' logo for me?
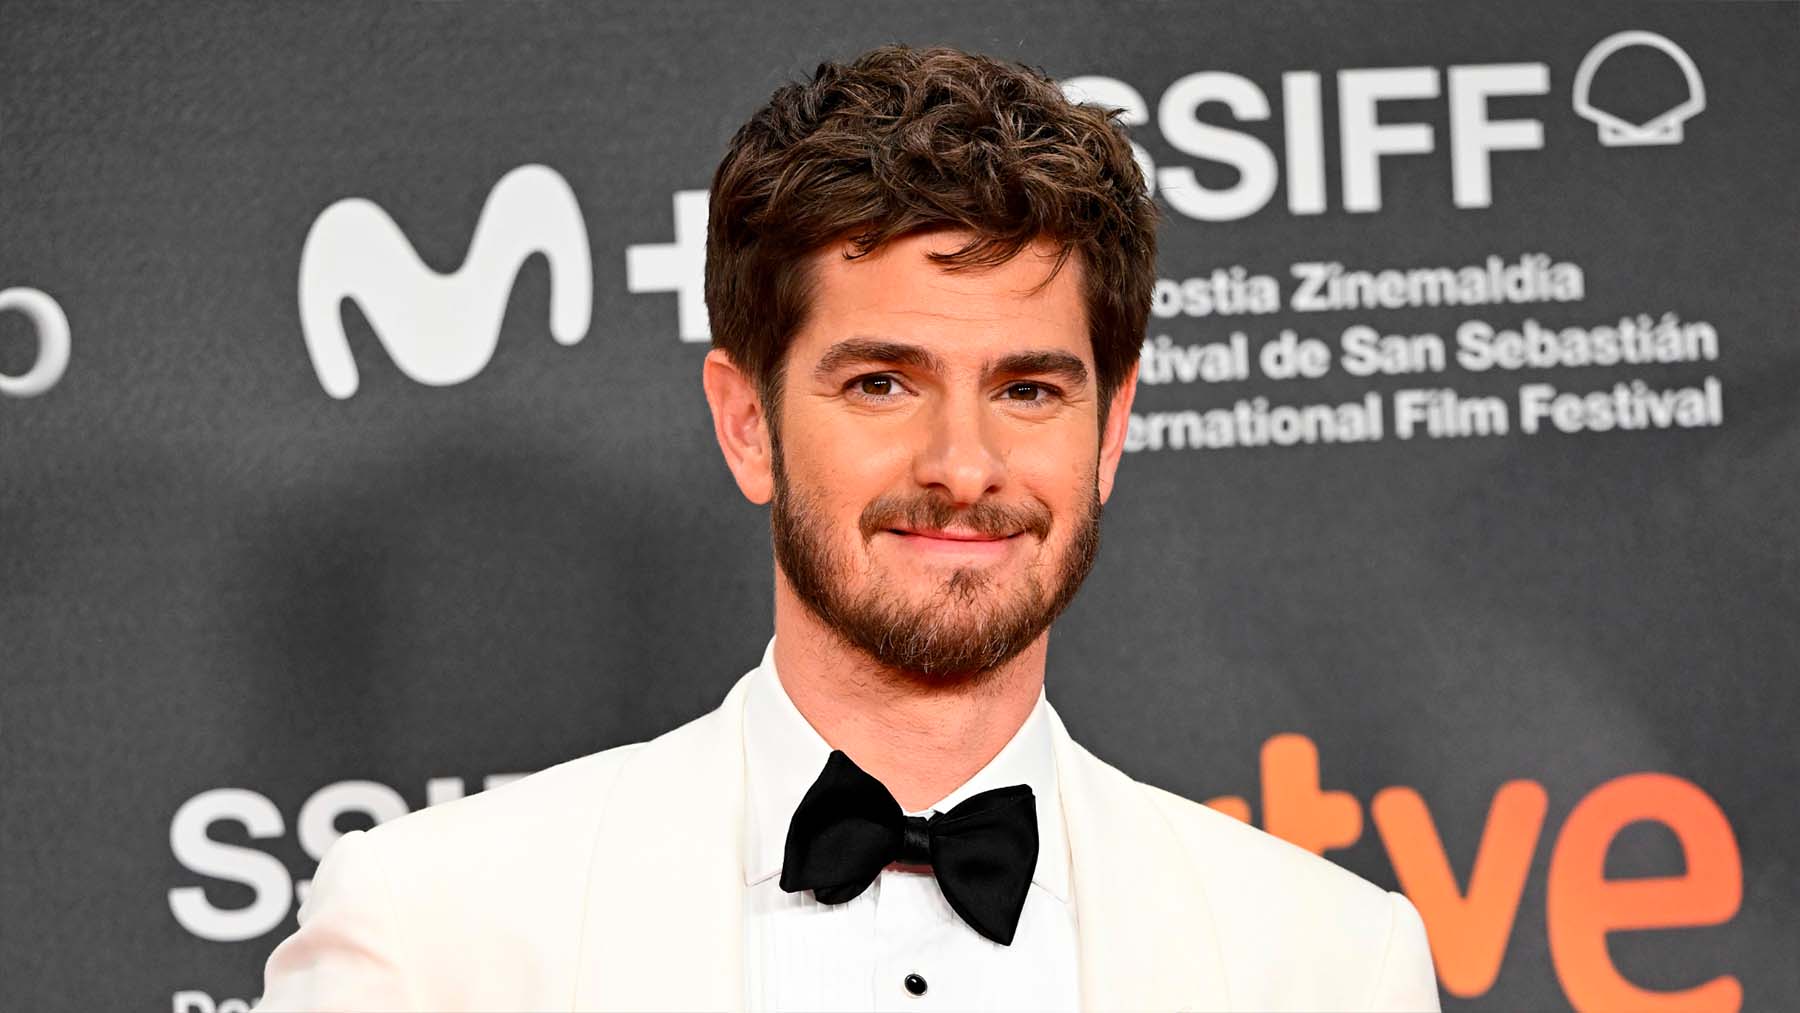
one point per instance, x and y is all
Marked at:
(1469, 928)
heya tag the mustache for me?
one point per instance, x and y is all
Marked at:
(935, 510)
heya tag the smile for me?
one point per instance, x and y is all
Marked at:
(966, 544)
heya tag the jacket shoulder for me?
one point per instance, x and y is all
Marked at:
(394, 913)
(526, 814)
(518, 845)
(389, 909)
(1318, 935)
(1270, 863)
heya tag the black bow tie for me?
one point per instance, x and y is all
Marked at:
(983, 851)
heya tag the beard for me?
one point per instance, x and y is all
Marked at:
(971, 624)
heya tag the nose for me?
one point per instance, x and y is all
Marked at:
(960, 453)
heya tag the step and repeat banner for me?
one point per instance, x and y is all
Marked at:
(353, 455)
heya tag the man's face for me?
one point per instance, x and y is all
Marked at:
(939, 466)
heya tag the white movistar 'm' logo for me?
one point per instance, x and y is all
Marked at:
(441, 329)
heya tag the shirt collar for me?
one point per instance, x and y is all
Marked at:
(783, 755)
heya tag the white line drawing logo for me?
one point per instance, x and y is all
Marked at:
(441, 329)
(678, 267)
(52, 328)
(1664, 128)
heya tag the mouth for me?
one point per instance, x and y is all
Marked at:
(954, 542)
(951, 534)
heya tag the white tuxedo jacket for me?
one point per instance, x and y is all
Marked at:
(615, 882)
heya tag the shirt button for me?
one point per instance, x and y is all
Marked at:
(914, 984)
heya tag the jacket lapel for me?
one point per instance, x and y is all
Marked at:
(1147, 935)
(663, 927)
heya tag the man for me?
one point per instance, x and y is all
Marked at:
(928, 277)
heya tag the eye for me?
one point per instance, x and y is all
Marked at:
(874, 387)
(1030, 393)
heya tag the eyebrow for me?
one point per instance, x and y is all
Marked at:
(853, 351)
(1052, 363)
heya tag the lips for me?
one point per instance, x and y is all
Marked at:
(950, 535)
(934, 519)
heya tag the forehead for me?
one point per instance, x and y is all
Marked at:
(897, 293)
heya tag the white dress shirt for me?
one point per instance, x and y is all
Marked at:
(804, 955)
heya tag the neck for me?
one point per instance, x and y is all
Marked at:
(920, 738)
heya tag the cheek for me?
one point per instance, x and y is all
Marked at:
(1060, 473)
(843, 474)
(835, 444)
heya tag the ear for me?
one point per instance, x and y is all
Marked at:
(738, 423)
(1112, 438)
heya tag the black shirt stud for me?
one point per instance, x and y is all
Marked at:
(914, 984)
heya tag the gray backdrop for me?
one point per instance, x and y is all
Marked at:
(241, 613)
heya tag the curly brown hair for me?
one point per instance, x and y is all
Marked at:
(901, 140)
